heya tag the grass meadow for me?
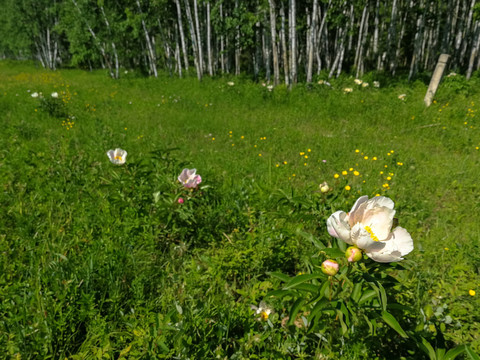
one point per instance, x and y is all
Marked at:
(101, 261)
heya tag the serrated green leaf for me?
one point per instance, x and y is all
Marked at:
(393, 323)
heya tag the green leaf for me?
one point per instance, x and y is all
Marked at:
(453, 353)
(471, 355)
(301, 279)
(294, 310)
(356, 292)
(279, 293)
(334, 253)
(280, 276)
(427, 349)
(366, 296)
(317, 308)
(393, 323)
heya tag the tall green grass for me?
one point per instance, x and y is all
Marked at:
(101, 261)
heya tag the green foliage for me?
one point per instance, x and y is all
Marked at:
(99, 260)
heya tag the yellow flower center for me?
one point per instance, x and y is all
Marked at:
(118, 157)
(372, 235)
(264, 315)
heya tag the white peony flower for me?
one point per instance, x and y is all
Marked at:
(368, 226)
(117, 156)
(34, 95)
(55, 95)
(376, 84)
(358, 81)
(189, 178)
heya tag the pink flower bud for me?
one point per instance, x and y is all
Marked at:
(180, 200)
(330, 267)
(353, 254)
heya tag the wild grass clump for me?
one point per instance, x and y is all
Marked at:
(122, 260)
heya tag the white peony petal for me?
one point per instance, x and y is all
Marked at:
(379, 201)
(401, 240)
(384, 257)
(337, 226)
(356, 213)
(380, 220)
(363, 239)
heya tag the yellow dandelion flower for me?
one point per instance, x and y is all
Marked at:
(309, 150)
(336, 176)
(374, 158)
(377, 194)
(351, 169)
(304, 164)
(356, 173)
(277, 165)
(365, 157)
(471, 292)
(233, 144)
(348, 188)
(344, 172)
(285, 163)
(242, 137)
(230, 132)
(389, 178)
(259, 154)
(357, 151)
(302, 153)
(306, 156)
(294, 175)
(388, 154)
(213, 139)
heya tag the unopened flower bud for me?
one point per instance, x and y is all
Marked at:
(324, 187)
(353, 254)
(330, 267)
(180, 200)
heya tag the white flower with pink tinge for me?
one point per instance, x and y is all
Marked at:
(189, 178)
(368, 226)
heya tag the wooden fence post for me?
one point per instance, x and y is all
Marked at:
(437, 76)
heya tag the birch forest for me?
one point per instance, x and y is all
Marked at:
(280, 41)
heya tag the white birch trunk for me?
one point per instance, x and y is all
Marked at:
(209, 41)
(273, 31)
(293, 42)
(313, 31)
(199, 37)
(194, 41)
(283, 37)
(182, 35)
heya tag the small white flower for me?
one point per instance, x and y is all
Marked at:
(402, 97)
(452, 74)
(376, 84)
(189, 178)
(263, 310)
(347, 90)
(55, 95)
(270, 87)
(365, 84)
(117, 156)
(230, 83)
(34, 95)
(358, 81)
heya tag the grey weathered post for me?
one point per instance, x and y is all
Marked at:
(437, 76)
